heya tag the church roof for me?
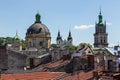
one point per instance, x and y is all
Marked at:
(33, 76)
(69, 36)
(59, 36)
(100, 21)
(102, 51)
(37, 27)
(16, 37)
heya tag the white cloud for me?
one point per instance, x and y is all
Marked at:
(81, 27)
(108, 23)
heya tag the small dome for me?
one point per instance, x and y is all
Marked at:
(37, 27)
(16, 38)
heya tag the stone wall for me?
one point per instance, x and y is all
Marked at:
(16, 61)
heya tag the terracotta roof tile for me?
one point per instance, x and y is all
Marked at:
(51, 65)
(83, 75)
(80, 76)
(33, 76)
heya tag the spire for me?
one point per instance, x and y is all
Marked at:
(69, 36)
(59, 37)
(38, 17)
(58, 33)
(16, 37)
(100, 17)
(16, 33)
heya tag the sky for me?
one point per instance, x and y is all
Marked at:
(78, 16)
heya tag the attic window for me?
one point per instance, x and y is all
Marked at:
(89, 51)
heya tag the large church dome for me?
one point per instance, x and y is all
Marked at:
(37, 27)
(38, 35)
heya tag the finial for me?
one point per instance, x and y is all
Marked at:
(38, 17)
(100, 16)
(69, 33)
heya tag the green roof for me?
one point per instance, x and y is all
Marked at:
(100, 22)
(16, 38)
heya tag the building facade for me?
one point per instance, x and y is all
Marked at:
(100, 35)
(16, 44)
(61, 43)
(38, 41)
(38, 35)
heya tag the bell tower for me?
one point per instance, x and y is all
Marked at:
(100, 35)
(69, 39)
(59, 40)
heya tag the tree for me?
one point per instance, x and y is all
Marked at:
(72, 47)
(9, 40)
(23, 44)
(53, 45)
(82, 45)
(1, 40)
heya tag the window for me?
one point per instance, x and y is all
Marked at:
(31, 62)
(41, 43)
(89, 51)
(80, 67)
(85, 67)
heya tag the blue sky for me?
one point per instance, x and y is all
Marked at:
(79, 16)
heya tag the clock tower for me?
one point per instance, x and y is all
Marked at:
(100, 35)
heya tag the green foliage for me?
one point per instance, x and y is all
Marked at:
(1, 41)
(85, 44)
(53, 45)
(72, 47)
(81, 45)
(23, 44)
(9, 40)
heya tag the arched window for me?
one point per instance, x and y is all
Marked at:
(100, 39)
(104, 39)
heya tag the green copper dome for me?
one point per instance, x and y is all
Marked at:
(16, 38)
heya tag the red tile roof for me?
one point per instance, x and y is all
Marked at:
(80, 76)
(49, 76)
(33, 76)
(55, 64)
(51, 65)
(83, 75)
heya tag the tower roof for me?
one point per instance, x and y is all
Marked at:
(100, 22)
(69, 36)
(16, 37)
(59, 37)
